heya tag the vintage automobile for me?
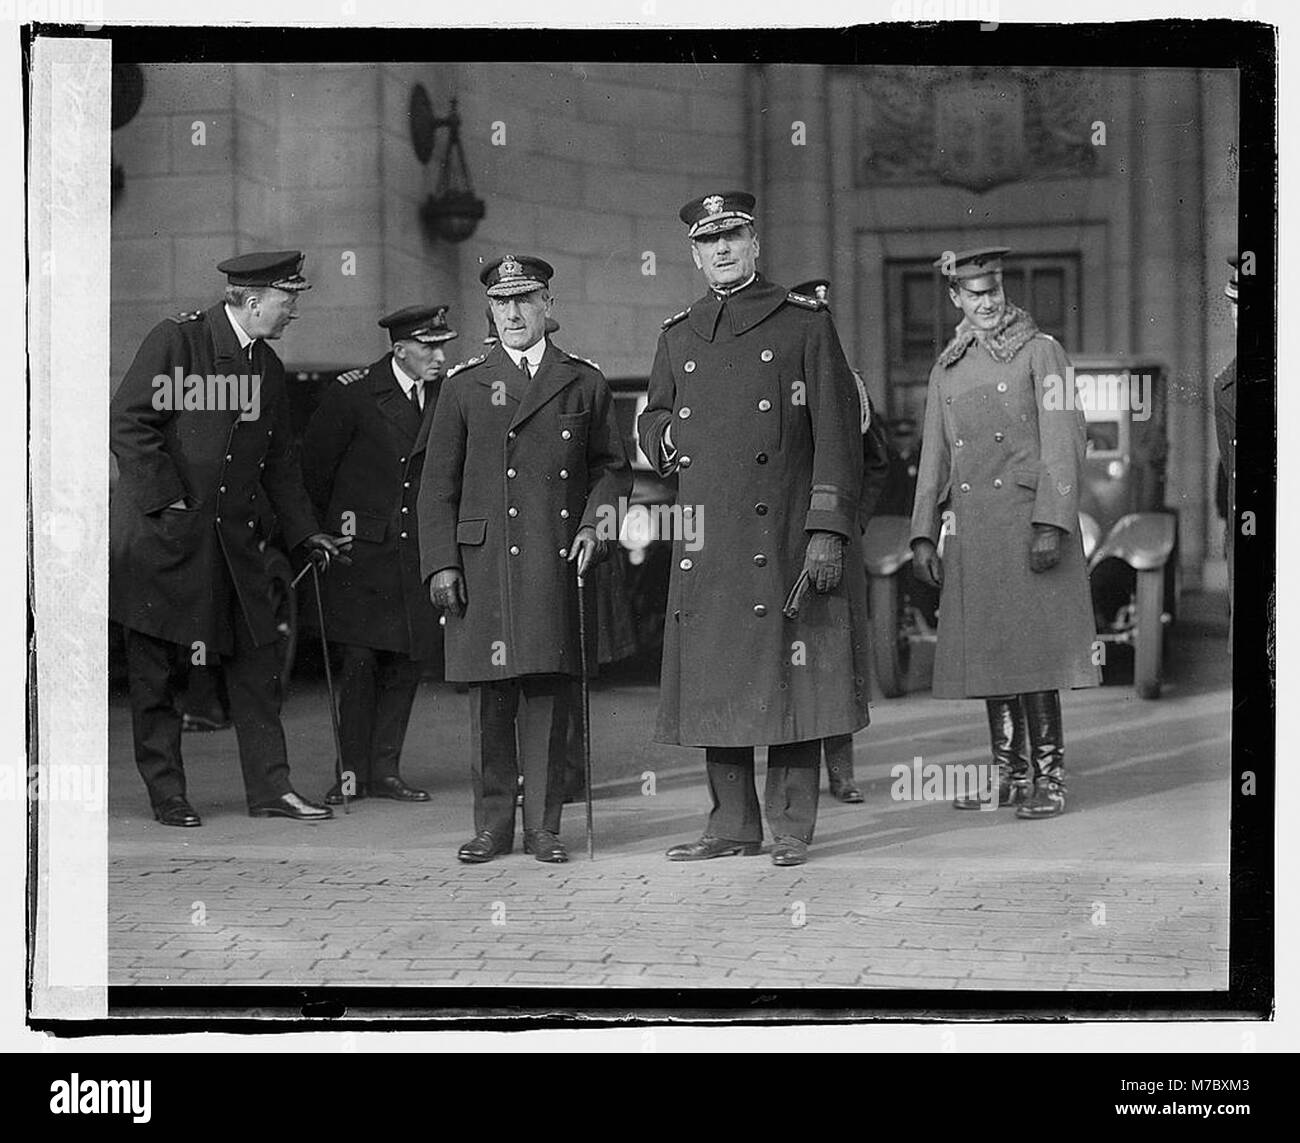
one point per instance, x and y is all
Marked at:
(1129, 537)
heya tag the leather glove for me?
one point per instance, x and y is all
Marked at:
(329, 547)
(1045, 547)
(447, 591)
(926, 563)
(587, 550)
(824, 561)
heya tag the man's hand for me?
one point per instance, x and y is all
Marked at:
(927, 564)
(1045, 547)
(447, 592)
(332, 547)
(586, 550)
(824, 561)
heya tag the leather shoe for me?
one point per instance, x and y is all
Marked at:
(789, 851)
(335, 795)
(176, 811)
(396, 790)
(846, 792)
(481, 847)
(291, 805)
(545, 846)
(708, 847)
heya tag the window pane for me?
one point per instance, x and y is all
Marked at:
(1049, 302)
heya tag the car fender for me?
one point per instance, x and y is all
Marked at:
(1143, 540)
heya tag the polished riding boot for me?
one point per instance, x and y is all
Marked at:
(1008, 739)
(1047, 749)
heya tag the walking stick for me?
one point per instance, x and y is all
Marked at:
(317, 561)
(586, 716)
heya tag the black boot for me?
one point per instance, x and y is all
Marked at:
(1008, 739)
(1047, 742)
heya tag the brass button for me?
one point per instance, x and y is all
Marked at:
(684, 412)
(947, 400)
(229, 457)
(997, 482)
(1002, 386)
(564, 513)
(760, 560)
(514, 549)
(999, 437)
(403, 535)
(565, 434)
(564, 474)
(406, 484)
(401, 460)
(766, 355)
(218, 519)
(764, 405)
(222, 488)
(761, 458)
(405, 509)
(760, 509)
(689, 367)
(512, 511)
(564, 553)
(510, 472)
(685, 462)
(250, 523)
(686, 565)
(965, 487)
(760, 610)
(959, 442)
(511, 435)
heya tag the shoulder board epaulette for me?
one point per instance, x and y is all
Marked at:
(672, 321)
(467, 364)
(584, 360)
(186, 315)
(805, 301)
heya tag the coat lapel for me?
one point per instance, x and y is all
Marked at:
(431, 391)
(228, 357)
(498, 370)
(392, 402)
(556, 373)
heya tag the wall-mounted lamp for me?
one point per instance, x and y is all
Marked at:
(453, 210)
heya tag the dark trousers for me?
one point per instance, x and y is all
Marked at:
(789, 798)
(510, 734)
(839, 758)
(157, 672)
(376, 693)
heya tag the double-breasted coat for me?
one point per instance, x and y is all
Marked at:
(767, 432)
(1002, 451)
(514, 468)
(362, 460)
(171, 570)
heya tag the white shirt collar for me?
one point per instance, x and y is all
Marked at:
(244, 340)
(729, 290)
(534, 354)
(402, 379)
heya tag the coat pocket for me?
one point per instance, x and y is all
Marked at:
(372, 529)
(471, 533)
(1026, 478)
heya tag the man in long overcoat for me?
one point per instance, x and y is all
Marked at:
(1225, 429)
(1001, 465)
(200, 429)
(753, 405)
(525, 458)
(363, 455)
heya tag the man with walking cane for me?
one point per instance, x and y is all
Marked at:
(524, 456)
(200, 430)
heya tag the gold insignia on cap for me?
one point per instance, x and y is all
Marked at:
(510, 267)
(713, 204)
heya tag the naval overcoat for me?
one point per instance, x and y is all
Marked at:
(171, 570)
(766, 426)
(362, 459)
(514, 468)
(1002, 451)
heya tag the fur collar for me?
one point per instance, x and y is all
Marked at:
(1003, 342)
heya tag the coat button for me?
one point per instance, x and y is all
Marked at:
(766, 355)
(512, 511)
(229, 457)
(218, 519)
(686, 565)
(514, 549)
(511, 435)
(564, 513)
(947, 400)
(510, 473)
(564, 552)
(761, 458)
(764, 405)
(999, 437)
(959, 442)
(222, 488)
(1002, 386)
(685, 462)
(405, 509)
(406, 484)
(684, 412)
(565, 434)
(401, 460)
(403, 535)
(997, 482)
(564, 474)
(250, 523)
(965, 487)
(760, 560)
(760, 509)
(689, 367)
(760, 610)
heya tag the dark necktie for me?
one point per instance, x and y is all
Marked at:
(415, 399)
(525, 368)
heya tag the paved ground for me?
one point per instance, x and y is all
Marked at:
(1129, 890)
